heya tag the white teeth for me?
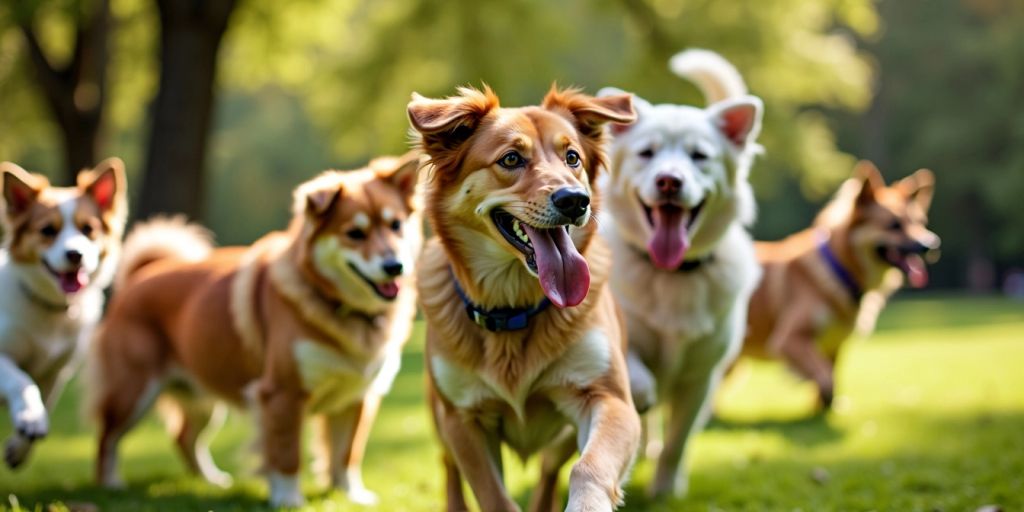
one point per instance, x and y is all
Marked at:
(519, 232)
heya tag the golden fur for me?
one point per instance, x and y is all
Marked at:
(559, 384)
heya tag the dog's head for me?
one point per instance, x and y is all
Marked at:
(679, 175)
(517, 183)
(886, 225)
(360, 231)
(68, 238)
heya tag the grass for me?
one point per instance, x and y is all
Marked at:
(930, 416)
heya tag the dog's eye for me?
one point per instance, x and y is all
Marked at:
(86, 229)
(396, 225)
(49, 231)
(572, 158)
(511, 160)
(356, 234)
(896, 225)
(698, 156)
(647, 153)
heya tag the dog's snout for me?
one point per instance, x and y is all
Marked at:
(73, 256)
(571, 202)
(668, 184)
(392, 267)
(915, 247)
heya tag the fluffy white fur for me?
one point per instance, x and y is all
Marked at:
(685, 326)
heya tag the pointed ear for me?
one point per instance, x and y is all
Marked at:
(870, 179)
(738, 119)
(320, 201)
(403, 173)
(590, 113)
(447, 123)
(20, 188)
(640, 106)
(919, 187)
(105, 184)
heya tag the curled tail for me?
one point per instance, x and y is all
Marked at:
(716, 77)
(161, 238)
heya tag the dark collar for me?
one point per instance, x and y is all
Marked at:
(686, 265)
(840, 271)
(499, 319)
(41, 302)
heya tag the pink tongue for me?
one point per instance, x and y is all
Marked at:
(389, 290)
(668, 246)
(72, 282)
(564, 274)
(916, 272)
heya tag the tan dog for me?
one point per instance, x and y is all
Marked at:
(822, 283)
(538, 361)
(310, 320)
(60, 249)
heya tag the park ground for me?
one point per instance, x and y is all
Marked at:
(929, 416)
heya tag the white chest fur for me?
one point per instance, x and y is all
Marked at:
(335, 381)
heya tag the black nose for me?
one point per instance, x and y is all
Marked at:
(571, 202)
(668, 184)
(74, 257)
(392, 267)
(914, 247)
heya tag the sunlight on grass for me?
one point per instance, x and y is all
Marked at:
(929, 416)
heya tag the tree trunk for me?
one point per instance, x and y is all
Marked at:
(191, 33)
(76, 92)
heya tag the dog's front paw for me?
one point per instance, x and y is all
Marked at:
(16, 451)
(285, 491)
(31, 422)
(362, 496)
(589, 498)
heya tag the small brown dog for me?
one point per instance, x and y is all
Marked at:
(821, 284)
(524, 341)
(309, 320)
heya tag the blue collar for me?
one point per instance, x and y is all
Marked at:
(840, 271)
(499, 319)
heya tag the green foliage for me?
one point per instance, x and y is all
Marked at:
(928, 417)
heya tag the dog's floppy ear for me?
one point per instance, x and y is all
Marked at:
(20, 188)
(319, 201)
(590, 113)
(739, 119)
(870, 179)
(105, 184)
(402, 173)
(919, 187)
(447, 123)
(640, 106)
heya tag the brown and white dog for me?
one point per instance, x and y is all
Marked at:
(524, 342)
(823, 283)
(306, 321)
(678, 202)
(60, 249)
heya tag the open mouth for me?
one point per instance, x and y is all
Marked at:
(910, 263)
(671, 224)
(387, 291)
(550, 254)
(71, 281)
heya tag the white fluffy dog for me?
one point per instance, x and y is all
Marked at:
(676, 203)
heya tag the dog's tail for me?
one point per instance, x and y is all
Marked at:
(158, 239)
(716, 77)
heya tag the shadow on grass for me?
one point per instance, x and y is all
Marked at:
(805, 431)
(153, 493)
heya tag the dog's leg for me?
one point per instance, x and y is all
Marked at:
(28, 413)
(795, 339)
(641, 383)
(281, 421)
(545, 496)
(342, 443)
(194, 420)
(609, 437)
(473, 454)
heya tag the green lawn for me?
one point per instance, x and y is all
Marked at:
(929, 416)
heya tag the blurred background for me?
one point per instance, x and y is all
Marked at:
(220, 107)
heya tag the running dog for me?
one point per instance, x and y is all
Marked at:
(677, 203)
(524, 342)
(823, 283)
(311, 320)
(60, 249)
